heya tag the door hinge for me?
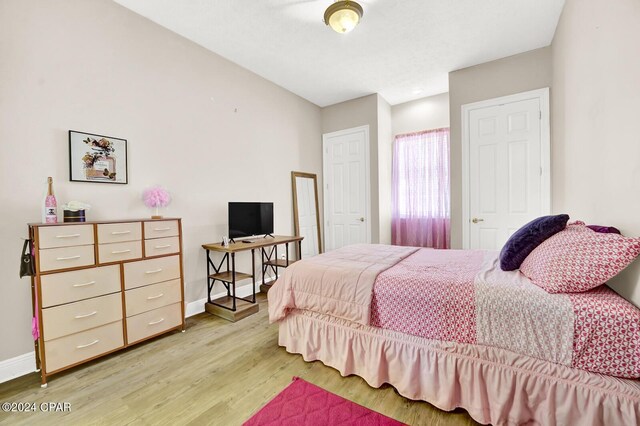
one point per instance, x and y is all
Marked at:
(540, 171)
(540, 114)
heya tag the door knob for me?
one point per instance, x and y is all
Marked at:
(361, 219)
(476, 220)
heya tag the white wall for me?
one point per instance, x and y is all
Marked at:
(427, 113)
(385, 155)
(596, 130)
(515, 74)
(206, 129)
(354, 113)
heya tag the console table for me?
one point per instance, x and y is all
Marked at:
(232, 307)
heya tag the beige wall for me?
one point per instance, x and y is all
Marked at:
(515, 74)
(427, 113)
(385, 152)
(596, 130)
(354, 113)
(97, 67)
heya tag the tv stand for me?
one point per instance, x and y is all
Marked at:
(232, 307)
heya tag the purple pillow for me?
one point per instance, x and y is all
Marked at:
(604, 229)
(527, 238)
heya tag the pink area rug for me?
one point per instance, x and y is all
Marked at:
(302, 403)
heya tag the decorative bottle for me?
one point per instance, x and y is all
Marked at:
(50, 204)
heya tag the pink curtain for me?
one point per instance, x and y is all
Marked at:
(420, 185)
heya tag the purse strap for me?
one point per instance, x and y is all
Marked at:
(25, 247)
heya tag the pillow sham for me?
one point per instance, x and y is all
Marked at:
(578, 259)
(604, 229)
(528, 237)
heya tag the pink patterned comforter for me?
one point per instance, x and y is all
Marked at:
(463, 296)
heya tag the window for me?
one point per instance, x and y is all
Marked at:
(421, 189)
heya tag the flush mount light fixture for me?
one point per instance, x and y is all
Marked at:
(343, 16)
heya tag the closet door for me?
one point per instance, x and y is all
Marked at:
(506, 162)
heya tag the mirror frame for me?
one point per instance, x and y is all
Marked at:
(296, 222)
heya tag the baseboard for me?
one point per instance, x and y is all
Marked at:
(26, 363)
(17, 366)
(197, 307)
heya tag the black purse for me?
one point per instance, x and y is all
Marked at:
(26, 261)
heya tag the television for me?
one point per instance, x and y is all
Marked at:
(250, 219)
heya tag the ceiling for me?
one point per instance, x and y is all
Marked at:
(402, 49)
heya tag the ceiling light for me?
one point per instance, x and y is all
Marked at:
(343, 16)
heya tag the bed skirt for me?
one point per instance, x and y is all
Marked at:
(494, 385)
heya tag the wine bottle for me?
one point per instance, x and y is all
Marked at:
(50, 204)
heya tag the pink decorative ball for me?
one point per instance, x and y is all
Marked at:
(156, 197)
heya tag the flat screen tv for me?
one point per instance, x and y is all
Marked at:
(250, 219)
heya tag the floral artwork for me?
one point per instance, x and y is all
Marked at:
(97, 158)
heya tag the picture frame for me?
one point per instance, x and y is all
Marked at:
(97, 158)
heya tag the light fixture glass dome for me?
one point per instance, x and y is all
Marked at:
(343, 16)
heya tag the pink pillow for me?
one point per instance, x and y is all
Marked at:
(577, 259)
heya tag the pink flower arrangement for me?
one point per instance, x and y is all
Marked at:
(156, 197)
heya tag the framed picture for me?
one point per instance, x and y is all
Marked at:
(97, 158)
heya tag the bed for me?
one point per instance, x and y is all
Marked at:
(451, 328)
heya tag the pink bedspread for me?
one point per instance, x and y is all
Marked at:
(338, 283)
(463, 296)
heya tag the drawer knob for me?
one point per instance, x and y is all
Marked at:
(68, 258)
(155, 271)
(155, 297)
(121, 251)
(163, 246)
(156, 322)
(68, 236)
(120, 232)
(88, 344)
(86, 315)
(84, 284)
(161, 229)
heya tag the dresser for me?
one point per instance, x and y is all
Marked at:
(104, 286)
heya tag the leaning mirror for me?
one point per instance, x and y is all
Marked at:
(306, 217)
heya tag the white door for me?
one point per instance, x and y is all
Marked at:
(507, 171)
(346, 188)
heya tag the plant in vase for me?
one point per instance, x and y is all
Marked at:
(154, 198)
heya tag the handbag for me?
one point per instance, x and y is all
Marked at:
(26, 261)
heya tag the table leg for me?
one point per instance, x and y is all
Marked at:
(287, 249)
(253, 273)
(233, 279)
(208, 277)
(276, 268)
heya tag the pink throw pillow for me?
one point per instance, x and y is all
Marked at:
(577, 259)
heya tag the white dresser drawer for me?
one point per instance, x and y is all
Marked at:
(78, 316)
(137, 274)
(119, 232)
(66, 287)
(147, 298)
(66, 257)
(64, 236)
(160, 246)
(153, 322)
(160, 229)
(77, 347)
(117, 252)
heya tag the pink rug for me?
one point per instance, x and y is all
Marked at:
(302, 403)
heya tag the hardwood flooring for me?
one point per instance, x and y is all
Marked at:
(217, 373)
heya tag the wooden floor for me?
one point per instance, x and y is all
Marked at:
(216, 373)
